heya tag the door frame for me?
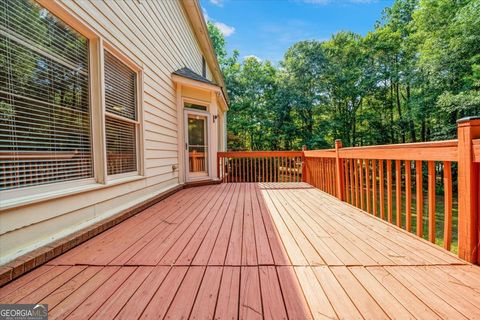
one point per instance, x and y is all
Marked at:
(186, 112)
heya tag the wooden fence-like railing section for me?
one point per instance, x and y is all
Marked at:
(410, 185)
(379, 180)
(264, 166)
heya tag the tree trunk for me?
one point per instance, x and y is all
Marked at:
(411, 125)
(399, 110)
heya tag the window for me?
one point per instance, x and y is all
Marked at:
(120, 116)
(195, 106)
(204, 67)
(44, 98)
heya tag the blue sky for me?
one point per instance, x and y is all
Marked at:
(266, 29)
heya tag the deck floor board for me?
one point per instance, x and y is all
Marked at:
(253, 251)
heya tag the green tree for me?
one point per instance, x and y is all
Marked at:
(407, 80)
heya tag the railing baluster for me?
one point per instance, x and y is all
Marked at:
(431, 201)
(327, 175)
(265, 169)
(239, 169)
(270, 179)
(294, 175)
(297, 175)
(239, 173)
(389, 192)
(374, 182)
(382, 190)
(362, 193)
(321, 175)
(236, 169)
(229, 170)
(367, 182)
(333, 177)
(419, 208)
(347, 182)
(251, 170)
(408, 196)
(267, 160)
(274, 176)
(398, 191)
(264, 165)
(318, 174)
(447, 181)
(243, 170)
(355, 168)
(352, 182)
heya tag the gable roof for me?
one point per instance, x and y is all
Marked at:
(199, 27)
(189, 77)
(189, 73)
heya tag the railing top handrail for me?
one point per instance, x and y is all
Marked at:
(446, 150)
(321, 153)
(430, 144)
(256, 154)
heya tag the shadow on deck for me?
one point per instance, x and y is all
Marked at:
(247, 250)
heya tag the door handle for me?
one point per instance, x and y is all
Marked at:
(186, 146)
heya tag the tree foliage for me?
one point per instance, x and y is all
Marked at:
(408, 80)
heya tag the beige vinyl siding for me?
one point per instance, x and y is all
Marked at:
(157, 36)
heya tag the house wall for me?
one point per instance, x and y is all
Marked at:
(157, 36)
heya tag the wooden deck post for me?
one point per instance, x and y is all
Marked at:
(468, 190)
(218, 166)
(339, 170)
(304, 165)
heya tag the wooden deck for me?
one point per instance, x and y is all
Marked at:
(253, 251)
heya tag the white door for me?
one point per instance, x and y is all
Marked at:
(197, 145)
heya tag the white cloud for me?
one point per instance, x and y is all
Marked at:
(218, 3)
(363, 1)
(225, 29)
(252, 56)
(205, 14)
(317, 1)
(326, 2)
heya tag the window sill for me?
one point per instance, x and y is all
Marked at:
(60, 193)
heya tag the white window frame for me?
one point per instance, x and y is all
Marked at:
(27, 195)
(197, 102)
(139, 128)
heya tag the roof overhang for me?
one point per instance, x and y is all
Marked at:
(199, 85)
(199, 27)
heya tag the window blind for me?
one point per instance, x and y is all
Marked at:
(121, 116)
(44, 98)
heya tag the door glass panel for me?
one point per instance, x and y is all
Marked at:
(197, 144)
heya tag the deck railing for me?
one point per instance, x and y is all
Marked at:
(413, 186)
(262, 166)
(381, 180)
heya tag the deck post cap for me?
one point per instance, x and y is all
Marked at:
(466, 119)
